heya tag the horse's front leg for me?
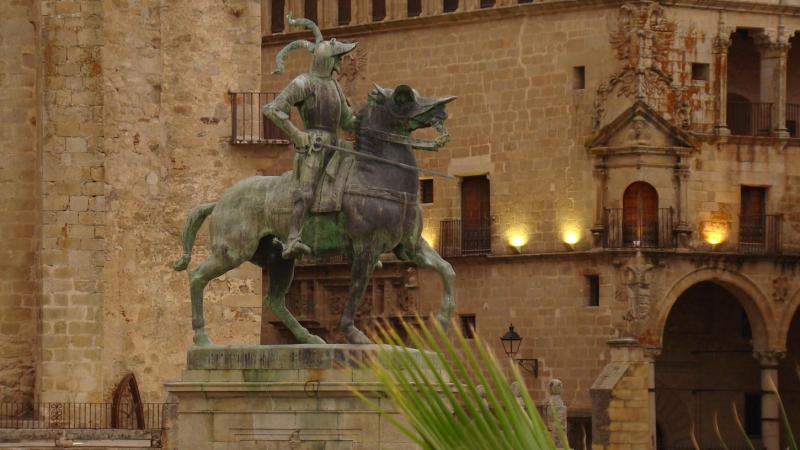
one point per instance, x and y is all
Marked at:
(281, 272)
(364, 261)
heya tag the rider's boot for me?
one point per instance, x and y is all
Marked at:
(294, 246)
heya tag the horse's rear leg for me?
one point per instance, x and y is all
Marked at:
(364, 263)
(426, 256)
(199, 277)
(281, 272)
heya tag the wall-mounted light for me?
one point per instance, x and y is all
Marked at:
(517, 239)
(715, 233)
(511, 341)
(571, 235)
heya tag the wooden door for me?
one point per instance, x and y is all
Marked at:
(753, 212)
(640, 215)
(475, 214)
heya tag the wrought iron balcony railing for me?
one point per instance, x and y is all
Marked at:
(634, 228)
(248, 125)
(750, 119)
(84, 416)
(793, 119)
(761, 234)
(459, 238)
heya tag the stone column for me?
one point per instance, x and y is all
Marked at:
(650, 355)
(774, 49)
(599, 228)
(682, 229)
(770, 413)
(720, 48)
(432, 7)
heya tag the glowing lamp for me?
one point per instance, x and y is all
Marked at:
(517, 240)
(715, 233)
(571, 236)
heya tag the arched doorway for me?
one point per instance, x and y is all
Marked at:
(640, 215)
(789, 379)
(706, 368)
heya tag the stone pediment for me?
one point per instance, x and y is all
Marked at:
(640, 130)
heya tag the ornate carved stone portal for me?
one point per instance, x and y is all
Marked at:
(319, 294)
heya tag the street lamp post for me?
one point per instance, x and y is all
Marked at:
(511, 342)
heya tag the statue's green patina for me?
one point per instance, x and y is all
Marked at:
(365, 205)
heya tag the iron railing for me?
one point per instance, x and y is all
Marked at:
(248, 125)
(750, 119)
(457, 238)
(631, 228)
(793, 119)
(72, 416)
(760, 234)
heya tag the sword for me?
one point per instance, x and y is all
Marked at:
(318, 145)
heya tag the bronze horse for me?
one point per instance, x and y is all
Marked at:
(380, 213)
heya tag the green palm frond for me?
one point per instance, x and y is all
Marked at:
(454, 394)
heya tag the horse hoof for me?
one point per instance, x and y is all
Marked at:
(314, 339)
(355, 336)
(201, 339)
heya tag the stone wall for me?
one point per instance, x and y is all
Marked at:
(19, 200)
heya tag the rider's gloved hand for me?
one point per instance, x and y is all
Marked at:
(302, 140)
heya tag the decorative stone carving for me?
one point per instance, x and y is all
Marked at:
(354, 65)
(769, 358)
(780, 289)
(642, 41)
(637, 277)
(294, 440)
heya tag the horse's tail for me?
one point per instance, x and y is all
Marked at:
(193, 223)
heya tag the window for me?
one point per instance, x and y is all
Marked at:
(450, 5)
(310, 9)
(579, 77)
(467, 325)
(524, 1)
(593, 290)
(475, 217)
(752, 414)
(277, 16)
(426, 191)
(640, 216)
(344, 14)
(378, 10)
(414, 8)
(487, 3)
(700, 71)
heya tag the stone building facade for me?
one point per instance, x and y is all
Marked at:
(626, 194)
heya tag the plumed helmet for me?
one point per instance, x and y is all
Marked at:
(324, 52)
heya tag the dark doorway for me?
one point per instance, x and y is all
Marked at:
(705, 369)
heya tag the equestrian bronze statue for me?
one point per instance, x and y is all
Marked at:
(358, 201)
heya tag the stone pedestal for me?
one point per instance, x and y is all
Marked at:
(279, 397)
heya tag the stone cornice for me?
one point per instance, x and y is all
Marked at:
(736, 6)
(529, 9)
(445, 19)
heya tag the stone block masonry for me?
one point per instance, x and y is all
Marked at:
(73, 200)
(19, 187)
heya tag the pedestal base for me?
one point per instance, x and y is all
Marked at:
(279, 397)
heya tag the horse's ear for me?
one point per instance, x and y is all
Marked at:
(404, 95)
(378, 93)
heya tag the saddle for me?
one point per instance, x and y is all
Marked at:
(336, 182)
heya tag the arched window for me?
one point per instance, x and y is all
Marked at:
(378, 10)
(277, 15)
(310, 10)
(450, 5)
(640, 216)
(344, 12)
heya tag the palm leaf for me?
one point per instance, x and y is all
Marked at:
(436, 390)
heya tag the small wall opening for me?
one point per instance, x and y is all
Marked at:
(579, 77)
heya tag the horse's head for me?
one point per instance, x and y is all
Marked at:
(403, 110)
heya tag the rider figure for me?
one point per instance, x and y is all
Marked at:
(323, 110)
